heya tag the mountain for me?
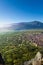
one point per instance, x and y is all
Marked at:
(24, 26)
(27, 25)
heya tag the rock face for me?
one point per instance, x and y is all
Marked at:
(37, 59)
(2, 62)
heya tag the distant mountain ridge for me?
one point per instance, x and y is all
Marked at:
(27, 25)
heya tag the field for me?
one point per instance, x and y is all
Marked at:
(18, 47)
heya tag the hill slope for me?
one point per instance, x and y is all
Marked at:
(24, 26)
(27, 25)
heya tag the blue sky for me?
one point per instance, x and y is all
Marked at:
(14, 11)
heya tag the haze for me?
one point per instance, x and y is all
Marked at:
(14, 11)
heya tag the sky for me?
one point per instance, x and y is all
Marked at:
(15, 11)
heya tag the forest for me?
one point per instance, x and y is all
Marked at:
(18, 47)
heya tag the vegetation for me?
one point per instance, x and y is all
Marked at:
(16, 49)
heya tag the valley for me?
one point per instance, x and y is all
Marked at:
(21, 46)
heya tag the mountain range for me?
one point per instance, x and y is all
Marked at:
(25, 25)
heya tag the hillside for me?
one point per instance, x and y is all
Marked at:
(27, 25)
(22, 26)
(17, 48)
